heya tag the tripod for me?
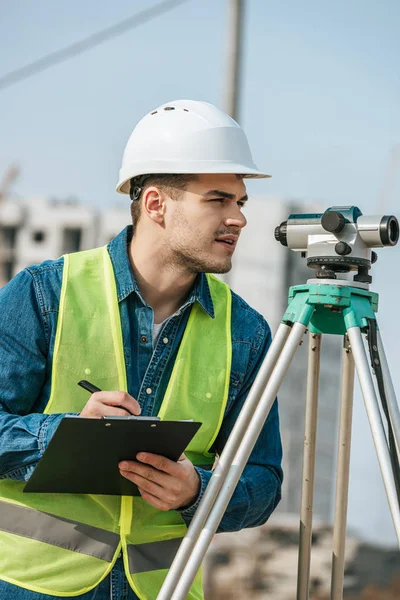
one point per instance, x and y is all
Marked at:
(332, 306)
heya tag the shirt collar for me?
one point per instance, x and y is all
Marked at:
(126, 282)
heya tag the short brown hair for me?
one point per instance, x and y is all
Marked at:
(173, 183)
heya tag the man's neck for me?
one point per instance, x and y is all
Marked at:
(163, 286)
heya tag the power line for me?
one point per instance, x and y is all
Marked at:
(87, 43)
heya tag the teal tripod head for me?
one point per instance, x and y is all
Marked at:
(340, 240)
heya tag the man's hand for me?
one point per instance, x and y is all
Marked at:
(107, 404)
(163, 483)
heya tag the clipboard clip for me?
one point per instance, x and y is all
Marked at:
(130, 418)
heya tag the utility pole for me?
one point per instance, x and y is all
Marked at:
(234, 58)
(233, 68)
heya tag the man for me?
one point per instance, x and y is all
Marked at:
(144, 321)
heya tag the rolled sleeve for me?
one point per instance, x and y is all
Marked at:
(188, 513)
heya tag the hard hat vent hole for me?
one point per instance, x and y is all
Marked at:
(169, 108)
(186, 109)
(154, 112)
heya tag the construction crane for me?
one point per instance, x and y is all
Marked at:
(10, 175)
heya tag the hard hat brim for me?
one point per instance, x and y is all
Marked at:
(123, 186)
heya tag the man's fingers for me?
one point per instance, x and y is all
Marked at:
(154, 501)
(118, 399)
(145, 484)
(110, 404)
(145, 471)
(160, 463)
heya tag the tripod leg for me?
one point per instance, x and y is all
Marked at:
(246, 445)
(375, 421)
(393, 407)
(224, 463)
(342, 481)
(307, 491)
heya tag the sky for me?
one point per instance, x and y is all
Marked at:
(319, 101)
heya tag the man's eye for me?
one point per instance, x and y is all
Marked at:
(241, 204)
(217, 199)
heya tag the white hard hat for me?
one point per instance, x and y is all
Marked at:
(186, 136)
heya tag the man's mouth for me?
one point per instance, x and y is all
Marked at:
(227, 240)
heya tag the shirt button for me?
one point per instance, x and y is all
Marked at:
(144, 339)
(165, 340)
(148, 391)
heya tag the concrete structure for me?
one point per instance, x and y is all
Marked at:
(38, 229)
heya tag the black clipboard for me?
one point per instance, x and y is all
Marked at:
(83, 455)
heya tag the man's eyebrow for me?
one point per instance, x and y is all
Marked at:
(223, 194)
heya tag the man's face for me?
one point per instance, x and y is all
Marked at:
(203, 226)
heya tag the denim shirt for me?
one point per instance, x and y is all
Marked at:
(28, 319)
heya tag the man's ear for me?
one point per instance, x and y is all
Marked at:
(154, 203)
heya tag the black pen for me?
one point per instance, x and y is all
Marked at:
(92, 389)
(89, 386)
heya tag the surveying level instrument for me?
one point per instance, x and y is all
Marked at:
(338, 246)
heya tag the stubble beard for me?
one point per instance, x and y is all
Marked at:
(186, 251)
(193, 263)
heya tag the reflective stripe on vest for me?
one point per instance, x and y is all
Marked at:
(57, 531)
(89, 345)
(153, 556)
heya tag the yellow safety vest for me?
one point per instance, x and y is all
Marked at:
(66, 544)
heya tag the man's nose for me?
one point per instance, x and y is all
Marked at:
(236, 219)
